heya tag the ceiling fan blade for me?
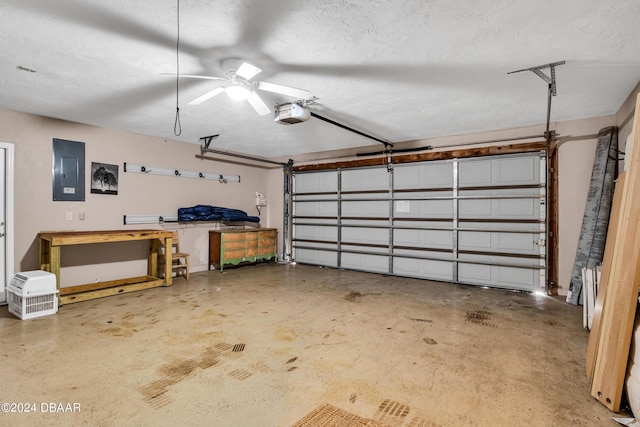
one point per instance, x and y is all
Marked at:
(258, 104)
(284, 90)
(193, 76)
(248, 71)
(202, 98)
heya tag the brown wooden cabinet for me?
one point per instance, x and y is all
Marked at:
(238, 246)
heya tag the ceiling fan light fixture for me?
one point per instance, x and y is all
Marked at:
(237, 92)
(248, 71)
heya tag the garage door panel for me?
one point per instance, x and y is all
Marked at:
(316, 182)
(365, 208)
(517, 170)
(526, 278)
(474, 208)
(316, 232)
(378, 236)
(474, 273)
(521, 243)
(507, 170)
(374, 263)
(517, 243)
(503, 277)
(519, 208)
(474, 240)
(428, 269)
(316, 209)
(475, 172)
(319, 257)
(423, 208)
(423, 238)
(433, 174)
(365, 180)
(500, 208)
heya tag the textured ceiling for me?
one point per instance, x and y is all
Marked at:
(396, 69)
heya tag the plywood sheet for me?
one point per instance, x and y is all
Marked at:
(614, 223)
(621, 296)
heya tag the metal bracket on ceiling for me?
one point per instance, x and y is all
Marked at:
(388, 153)
(206, 141)
(551, 92)
(551, 80)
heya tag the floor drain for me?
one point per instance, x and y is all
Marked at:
(238, 348)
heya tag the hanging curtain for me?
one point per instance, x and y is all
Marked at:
(595, 221)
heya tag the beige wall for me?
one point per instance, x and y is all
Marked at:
(138, 194)
(575, 158)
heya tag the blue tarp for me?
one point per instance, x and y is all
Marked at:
(214, 213)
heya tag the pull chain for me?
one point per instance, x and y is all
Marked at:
(177, 127)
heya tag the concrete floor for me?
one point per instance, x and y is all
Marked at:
(266, 345)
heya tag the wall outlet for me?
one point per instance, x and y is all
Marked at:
(69, 216)
(81, 216)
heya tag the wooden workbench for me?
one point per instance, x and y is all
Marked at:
(51, 242)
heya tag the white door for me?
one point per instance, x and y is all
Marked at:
(6, 218)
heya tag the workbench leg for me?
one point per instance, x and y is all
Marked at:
(54, 265)
(45, 255)
(152, 264)
(168, 269)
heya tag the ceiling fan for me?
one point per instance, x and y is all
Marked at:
(239, 86)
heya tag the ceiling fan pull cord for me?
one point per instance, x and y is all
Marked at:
(177, 127)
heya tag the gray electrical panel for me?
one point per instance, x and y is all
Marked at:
(68, 170)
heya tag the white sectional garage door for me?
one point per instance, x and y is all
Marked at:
(478, 220)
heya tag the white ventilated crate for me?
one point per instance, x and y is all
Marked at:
(32, 294)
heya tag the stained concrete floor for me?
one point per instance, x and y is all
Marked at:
(266, 345)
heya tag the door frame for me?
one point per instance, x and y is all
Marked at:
(9, 169)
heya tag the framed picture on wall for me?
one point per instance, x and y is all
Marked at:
(104, 178)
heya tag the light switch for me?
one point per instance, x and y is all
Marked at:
(81, 216)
